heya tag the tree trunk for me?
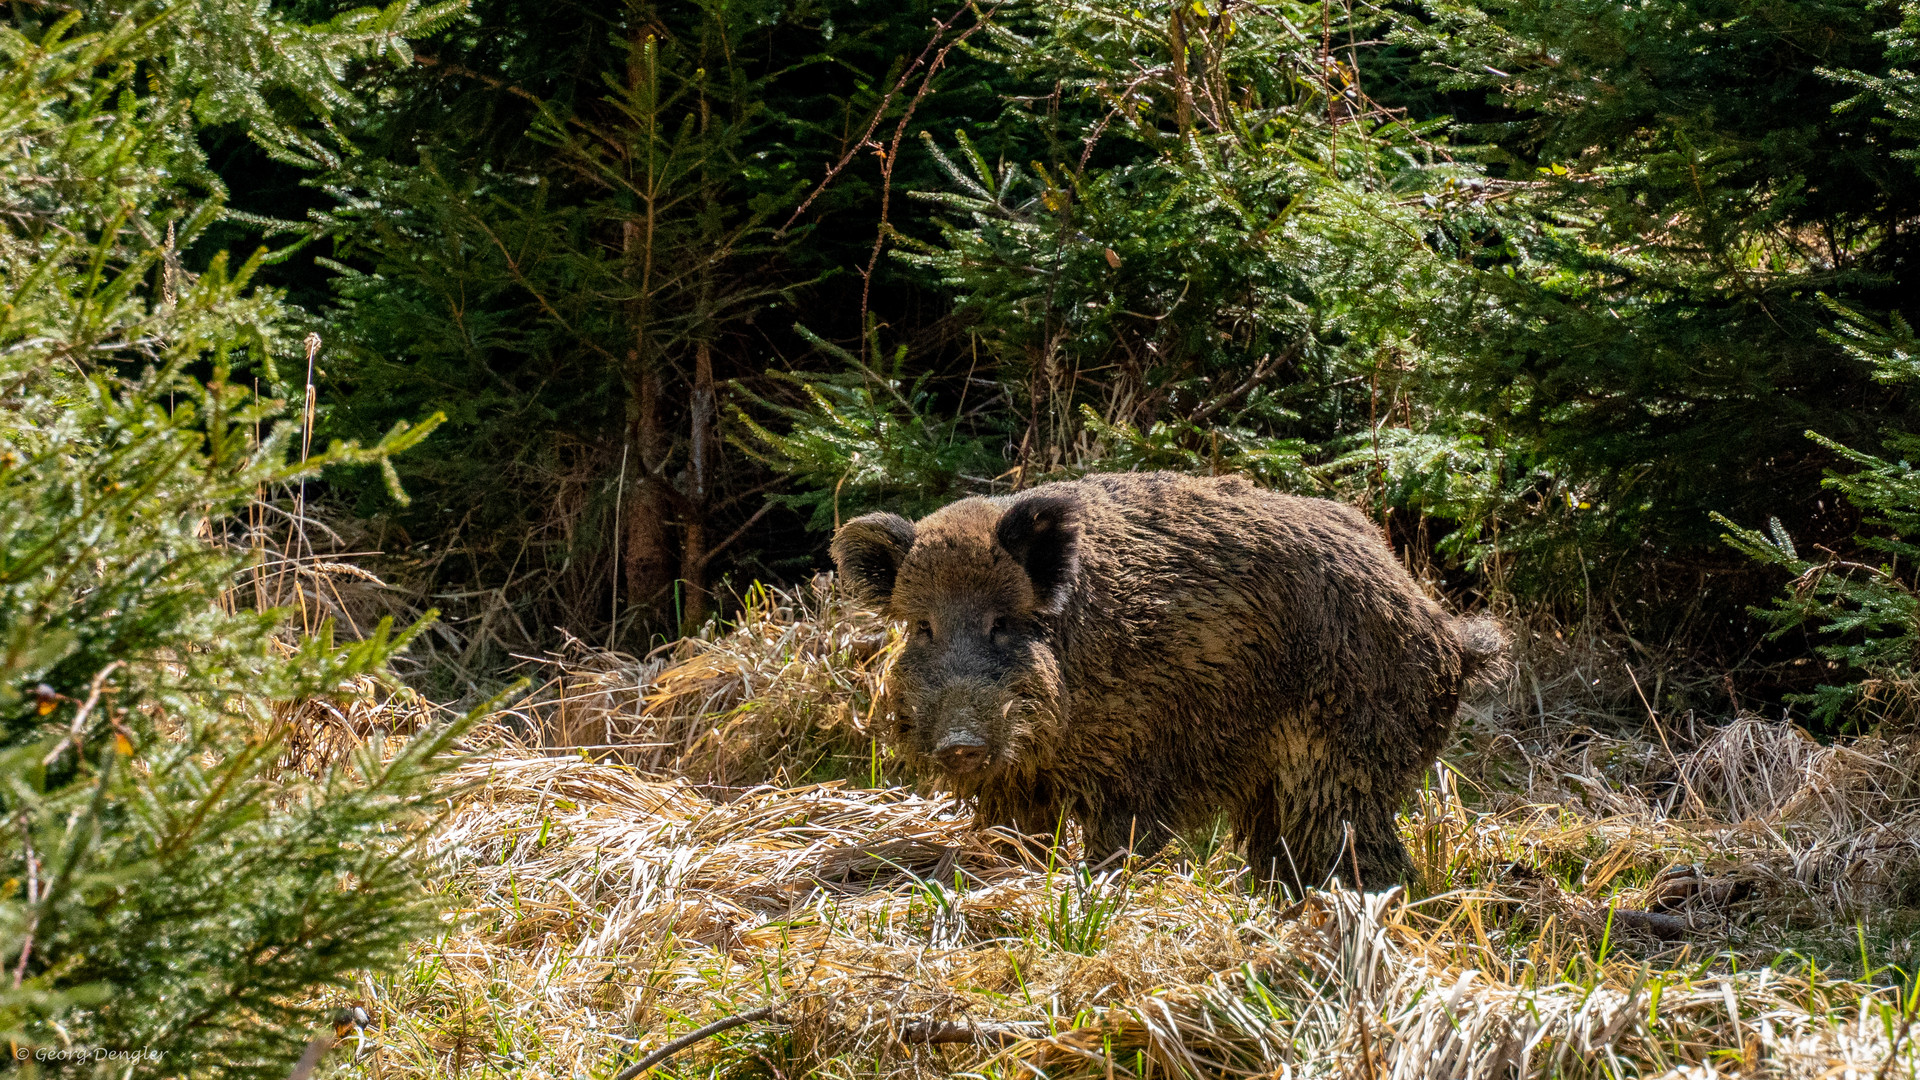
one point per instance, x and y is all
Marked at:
(693, 534)
(1182, 93)
(647, 559)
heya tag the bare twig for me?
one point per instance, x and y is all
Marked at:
(892, 152)
(738, 533)
(762, 1013)
(466, 72)
(79, 725)
(1261, 370)
(513, 268)
(1658, 729)
(873, 125)
(452, 68)
(33, 897)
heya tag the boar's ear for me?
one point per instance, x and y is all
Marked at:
(1042, 532)
(868, 551)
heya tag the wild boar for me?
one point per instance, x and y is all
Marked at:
(1144, 651)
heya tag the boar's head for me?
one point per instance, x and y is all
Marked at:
(978, 585)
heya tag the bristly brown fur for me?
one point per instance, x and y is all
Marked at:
(1143, 651)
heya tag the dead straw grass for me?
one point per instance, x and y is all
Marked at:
(1606, 891)
(782, 698)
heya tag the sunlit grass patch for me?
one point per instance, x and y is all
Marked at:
(1592, 900)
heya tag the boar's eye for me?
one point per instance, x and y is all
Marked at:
(1001, 625)
(924, 628)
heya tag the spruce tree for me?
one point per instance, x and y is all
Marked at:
(1640, 328)
(1199, 257)
(590, 242)
(1861, 605)
(174, 899)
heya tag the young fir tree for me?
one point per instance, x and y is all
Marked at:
(582, 238)
(167, 890)
(1203, 263)
(1863, 604)
(1642, 327)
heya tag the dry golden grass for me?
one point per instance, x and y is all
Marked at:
(782, 697)
(1605, 891)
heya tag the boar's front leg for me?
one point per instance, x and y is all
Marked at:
(1124, 821)
(1027, 808)
(1305, 847)
(1376, 848)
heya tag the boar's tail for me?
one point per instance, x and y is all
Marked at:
(1483, 646)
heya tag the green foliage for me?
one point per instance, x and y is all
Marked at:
(1536, 281)
(867, 440)
(1272, 462)
(575, 236)
(1203, 240)
(1081, 907)
(281, 81)
(1640, 324)
(170, 889)
(1866, 609)
(1897, 90)
(469, 294)
(1454, 476)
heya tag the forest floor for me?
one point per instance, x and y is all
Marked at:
(650, 846)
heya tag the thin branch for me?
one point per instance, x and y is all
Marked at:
(892, 152)
(513, 267)
(749, 493)
(1099, 129)
(452, 68)
(78, 727)
(33, 897)
(1260, 372)
(455, 69)
(762, 1013)
(737, 533)
(873, 125)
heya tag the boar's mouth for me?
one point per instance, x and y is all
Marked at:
(968, 750)
(961, 754)
(962, 747)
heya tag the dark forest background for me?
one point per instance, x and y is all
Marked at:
(1567, 293)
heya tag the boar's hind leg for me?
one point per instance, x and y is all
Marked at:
(1383, 859)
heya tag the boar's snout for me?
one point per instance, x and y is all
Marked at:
(959, 733)
(961, 752)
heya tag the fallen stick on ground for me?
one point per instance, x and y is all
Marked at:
(1667, 927)
(691, 1037)
(977, 1031)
